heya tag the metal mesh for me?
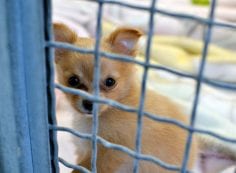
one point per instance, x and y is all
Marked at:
(136, 154)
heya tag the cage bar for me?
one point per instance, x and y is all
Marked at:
(24, 133)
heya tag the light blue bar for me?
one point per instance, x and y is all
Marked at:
(207, 40)
(138, 141)
(214, 83)
(117, 147)
(8, 140)
(24, 139)
(49, 36)
(96, 79)
(171, 14)
(96, 99)
(33, 33)
(160, 118)
(16, 54)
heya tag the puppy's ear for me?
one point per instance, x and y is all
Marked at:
(124, 40)
(63, 33)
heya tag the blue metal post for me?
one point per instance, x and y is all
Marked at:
(24, 133)
(8, 138)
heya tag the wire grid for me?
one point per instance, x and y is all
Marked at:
(137, 155)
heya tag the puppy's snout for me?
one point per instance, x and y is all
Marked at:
(88, 105)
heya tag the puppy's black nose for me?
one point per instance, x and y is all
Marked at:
(88, 105)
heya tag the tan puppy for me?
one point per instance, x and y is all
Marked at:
(118, 82)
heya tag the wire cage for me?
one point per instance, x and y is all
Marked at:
(28, 139)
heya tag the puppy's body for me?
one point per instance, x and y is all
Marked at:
(161, 140)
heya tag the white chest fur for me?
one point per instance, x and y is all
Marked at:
(71, 148)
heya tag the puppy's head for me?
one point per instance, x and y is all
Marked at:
(75, 69)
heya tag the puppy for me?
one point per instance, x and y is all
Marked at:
(118, 82)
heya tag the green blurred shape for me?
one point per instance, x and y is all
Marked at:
(201, 2)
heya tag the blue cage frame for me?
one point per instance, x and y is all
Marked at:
(24, 141)
(28, 122)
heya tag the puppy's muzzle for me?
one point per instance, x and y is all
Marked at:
(88, 106)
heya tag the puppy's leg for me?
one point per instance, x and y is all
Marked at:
(112, 161)
(86, 164)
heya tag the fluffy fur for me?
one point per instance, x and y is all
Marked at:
(162, 140)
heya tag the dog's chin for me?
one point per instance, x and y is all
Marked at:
(87, 114)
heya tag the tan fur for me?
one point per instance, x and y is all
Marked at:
(162, 140)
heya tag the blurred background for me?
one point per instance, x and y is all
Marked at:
(177, 44)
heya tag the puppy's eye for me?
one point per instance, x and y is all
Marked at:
(74, 81)
(110, 82)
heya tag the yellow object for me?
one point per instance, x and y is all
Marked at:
(182, 53)
(201, 2)
(107, 27)
(179, 52)
(194, 48)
